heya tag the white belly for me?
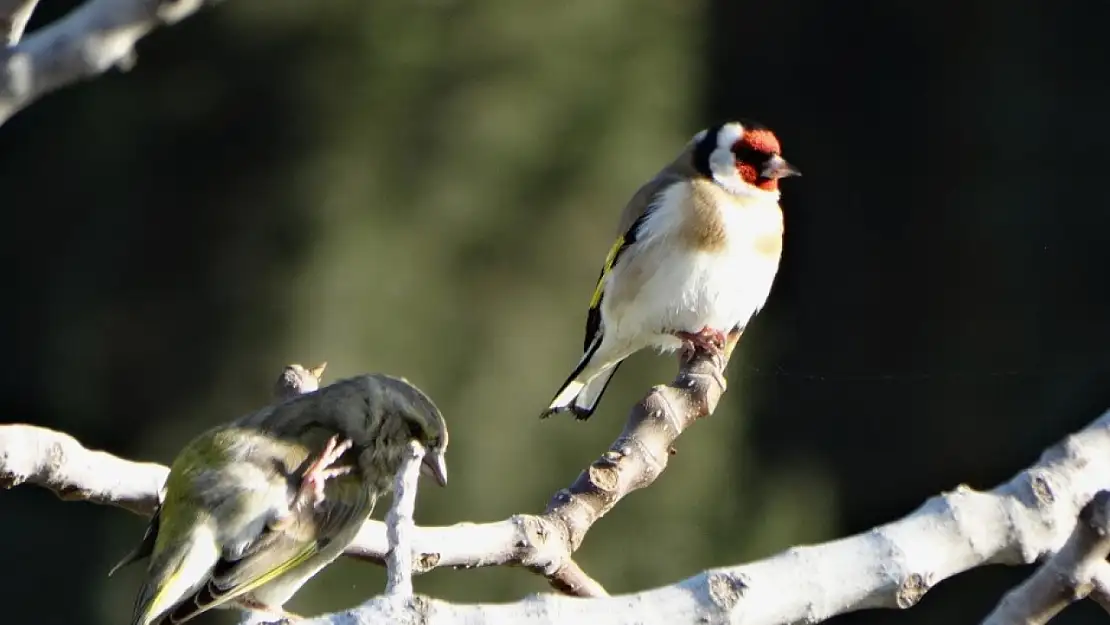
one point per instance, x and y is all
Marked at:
(688, 291)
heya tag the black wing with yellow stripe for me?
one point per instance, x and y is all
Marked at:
(593, 317)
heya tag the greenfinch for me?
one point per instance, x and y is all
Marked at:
(254, 508)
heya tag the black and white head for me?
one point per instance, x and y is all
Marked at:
(744, 157)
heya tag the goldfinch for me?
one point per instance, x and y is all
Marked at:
(698, 252)
(255, 508)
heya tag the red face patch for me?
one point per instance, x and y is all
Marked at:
(747, 172)
(752, 151)
(750, 175)
(763, 141)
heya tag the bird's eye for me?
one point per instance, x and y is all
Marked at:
(747, 154)
(415, 430)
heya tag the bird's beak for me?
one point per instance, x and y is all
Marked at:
(435, 465)
(318, 371)
(777, 167)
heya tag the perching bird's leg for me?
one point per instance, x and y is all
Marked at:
(320, 471)
(313, 479)
(282, 617)
(708, 340)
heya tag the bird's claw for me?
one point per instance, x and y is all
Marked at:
(706, 339)
(282, 617)
(316, 475)
(713, 342)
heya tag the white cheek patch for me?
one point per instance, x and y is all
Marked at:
(728, 136)
(722, 162)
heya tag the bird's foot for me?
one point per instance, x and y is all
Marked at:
(280, 616)
(320, 471)
(714, 342)
(706, 339)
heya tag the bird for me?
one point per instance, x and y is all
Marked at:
(295, 380)
(254, 508)
(698, 249)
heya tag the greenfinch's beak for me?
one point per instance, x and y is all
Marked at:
(435, 465)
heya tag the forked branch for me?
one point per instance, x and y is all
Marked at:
(1027, 519)
(1071, 574)
(543, 543)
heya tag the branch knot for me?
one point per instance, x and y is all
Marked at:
(726, 590)
(911, 590)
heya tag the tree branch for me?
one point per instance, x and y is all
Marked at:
(1100, 591)
(541, 543)
(90, 40)
(891, 566)
(14, 15)
(1067, 576)
(400, 524)
(56, 461)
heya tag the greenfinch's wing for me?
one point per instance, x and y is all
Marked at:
(277, 551)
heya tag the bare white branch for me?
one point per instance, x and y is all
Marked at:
(91, 39)
(14, 15)
(1100, 589)
(400, 525)
(1067, 576)
(1025, 520)
(58, 462)
(890, 566)
(543, 543)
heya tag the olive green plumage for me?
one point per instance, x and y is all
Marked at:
(235, 528)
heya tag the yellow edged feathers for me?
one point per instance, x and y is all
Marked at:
(609, 260)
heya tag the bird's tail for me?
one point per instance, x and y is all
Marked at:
(146, 547)
(583, 388)
(174, 574)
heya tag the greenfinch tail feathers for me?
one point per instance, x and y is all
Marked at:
(145, 548)
(174, 575)
(217, 592)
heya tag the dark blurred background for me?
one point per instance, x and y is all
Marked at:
(428, 188)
